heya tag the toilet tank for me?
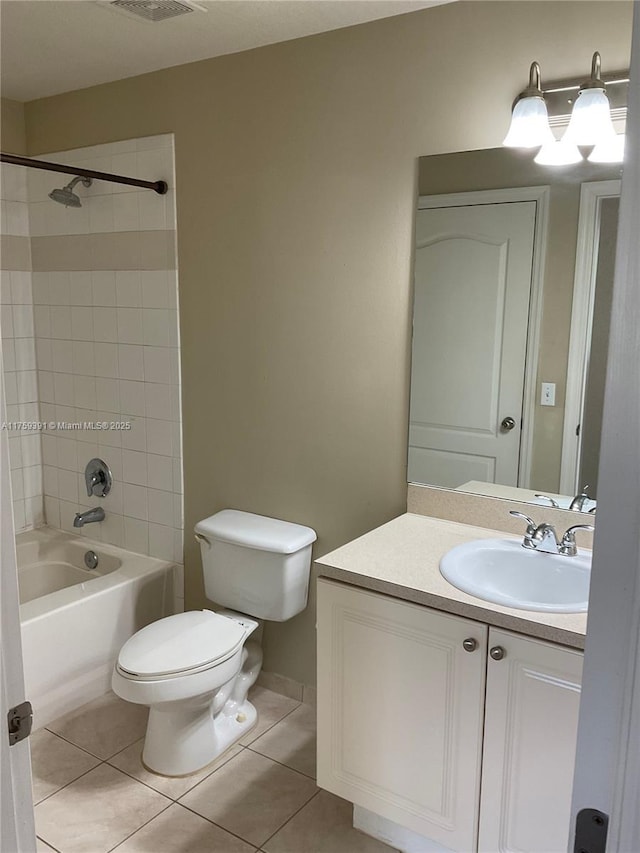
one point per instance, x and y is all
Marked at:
(254, 564)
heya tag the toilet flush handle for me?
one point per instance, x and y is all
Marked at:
(202, 539)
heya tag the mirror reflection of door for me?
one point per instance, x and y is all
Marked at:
(473, 274)
(552, 462)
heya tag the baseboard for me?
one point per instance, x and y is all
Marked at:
(287, 687)
(398, 837)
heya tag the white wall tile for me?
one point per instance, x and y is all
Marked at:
(134, 467)
(132, 397)
(161, 542)
(82, 323)
(136, 535)
(61, 322)
(83, 357)
(62, 356)
(108, 394)
(157, 401)
(130, 362)
(130, 326)
(103, 288)
(128, 289)
(105, 326)
(80, 288)
(160, 507)
(159, 437)
(106, 360)
(160, 472)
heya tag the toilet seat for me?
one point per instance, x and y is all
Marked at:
(180, 645)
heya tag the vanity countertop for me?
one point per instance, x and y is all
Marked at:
(401, 558)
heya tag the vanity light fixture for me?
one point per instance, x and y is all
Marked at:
(585, 110)
(529, 120)
(590, 121)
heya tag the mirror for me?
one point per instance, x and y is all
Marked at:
(513, 280)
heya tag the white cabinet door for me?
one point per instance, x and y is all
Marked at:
(400, 711)
(531, 724)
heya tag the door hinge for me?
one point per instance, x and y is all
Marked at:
(591, 831)
(19, 722)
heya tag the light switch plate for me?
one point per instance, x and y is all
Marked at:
(548, 395)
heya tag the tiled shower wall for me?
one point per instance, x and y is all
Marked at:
(106, 333)
(18, 349)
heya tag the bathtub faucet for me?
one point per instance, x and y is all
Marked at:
(82, 518)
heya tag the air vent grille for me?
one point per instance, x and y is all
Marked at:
(153, 10)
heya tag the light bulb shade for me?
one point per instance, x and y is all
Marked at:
(590, 121)
(558, 154)
(610, 151)
(529, 124)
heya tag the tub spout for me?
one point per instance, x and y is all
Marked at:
(82, 518)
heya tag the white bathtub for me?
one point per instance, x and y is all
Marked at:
(74, 620)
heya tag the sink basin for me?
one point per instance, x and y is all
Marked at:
(502, 571)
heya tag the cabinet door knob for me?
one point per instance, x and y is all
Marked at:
(497, 652)
(470, 645)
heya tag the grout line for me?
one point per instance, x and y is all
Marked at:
(282, 764)
(289, 819)
(81, 748)
(62, 787)
(218, 825)
(184, 793)
(273, 725)
(44, 840)
(140, 827)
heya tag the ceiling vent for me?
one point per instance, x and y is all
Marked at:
(156, 10)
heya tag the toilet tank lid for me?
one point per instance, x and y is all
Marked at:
(256, 531)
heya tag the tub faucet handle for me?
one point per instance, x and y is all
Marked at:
(98, 479)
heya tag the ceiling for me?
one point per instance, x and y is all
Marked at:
(54, 46)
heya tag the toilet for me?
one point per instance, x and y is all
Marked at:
(194, 669)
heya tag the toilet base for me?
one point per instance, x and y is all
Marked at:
(181, 741)
(185, 736)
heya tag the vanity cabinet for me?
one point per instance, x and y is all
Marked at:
(416, 719)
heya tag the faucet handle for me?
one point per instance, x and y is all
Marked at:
(568, 545)
(530, 522)
(531, 527)
(551, 500)
(97, 477)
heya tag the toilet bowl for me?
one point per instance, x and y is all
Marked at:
(194, 669)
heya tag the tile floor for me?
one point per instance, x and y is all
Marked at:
(92, 794)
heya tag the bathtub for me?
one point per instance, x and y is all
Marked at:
(75, 619)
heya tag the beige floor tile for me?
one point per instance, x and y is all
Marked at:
(55, 763)
(250, 796)
(292, 741)
(325, 825)
(129, 761)
(271, 708)
(103, 727)
(177, 830)
(97, 811)
(42, 847)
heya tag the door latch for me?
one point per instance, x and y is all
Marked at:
(19, 720)
(591, 831)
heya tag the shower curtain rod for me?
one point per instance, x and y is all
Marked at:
(158, 186)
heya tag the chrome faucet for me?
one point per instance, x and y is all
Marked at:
(88, 516)
(543, 537)
(580, 500)
(538, 538)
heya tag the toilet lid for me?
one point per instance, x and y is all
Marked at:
(181, 643)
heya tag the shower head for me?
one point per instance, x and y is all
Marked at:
(66, 195)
